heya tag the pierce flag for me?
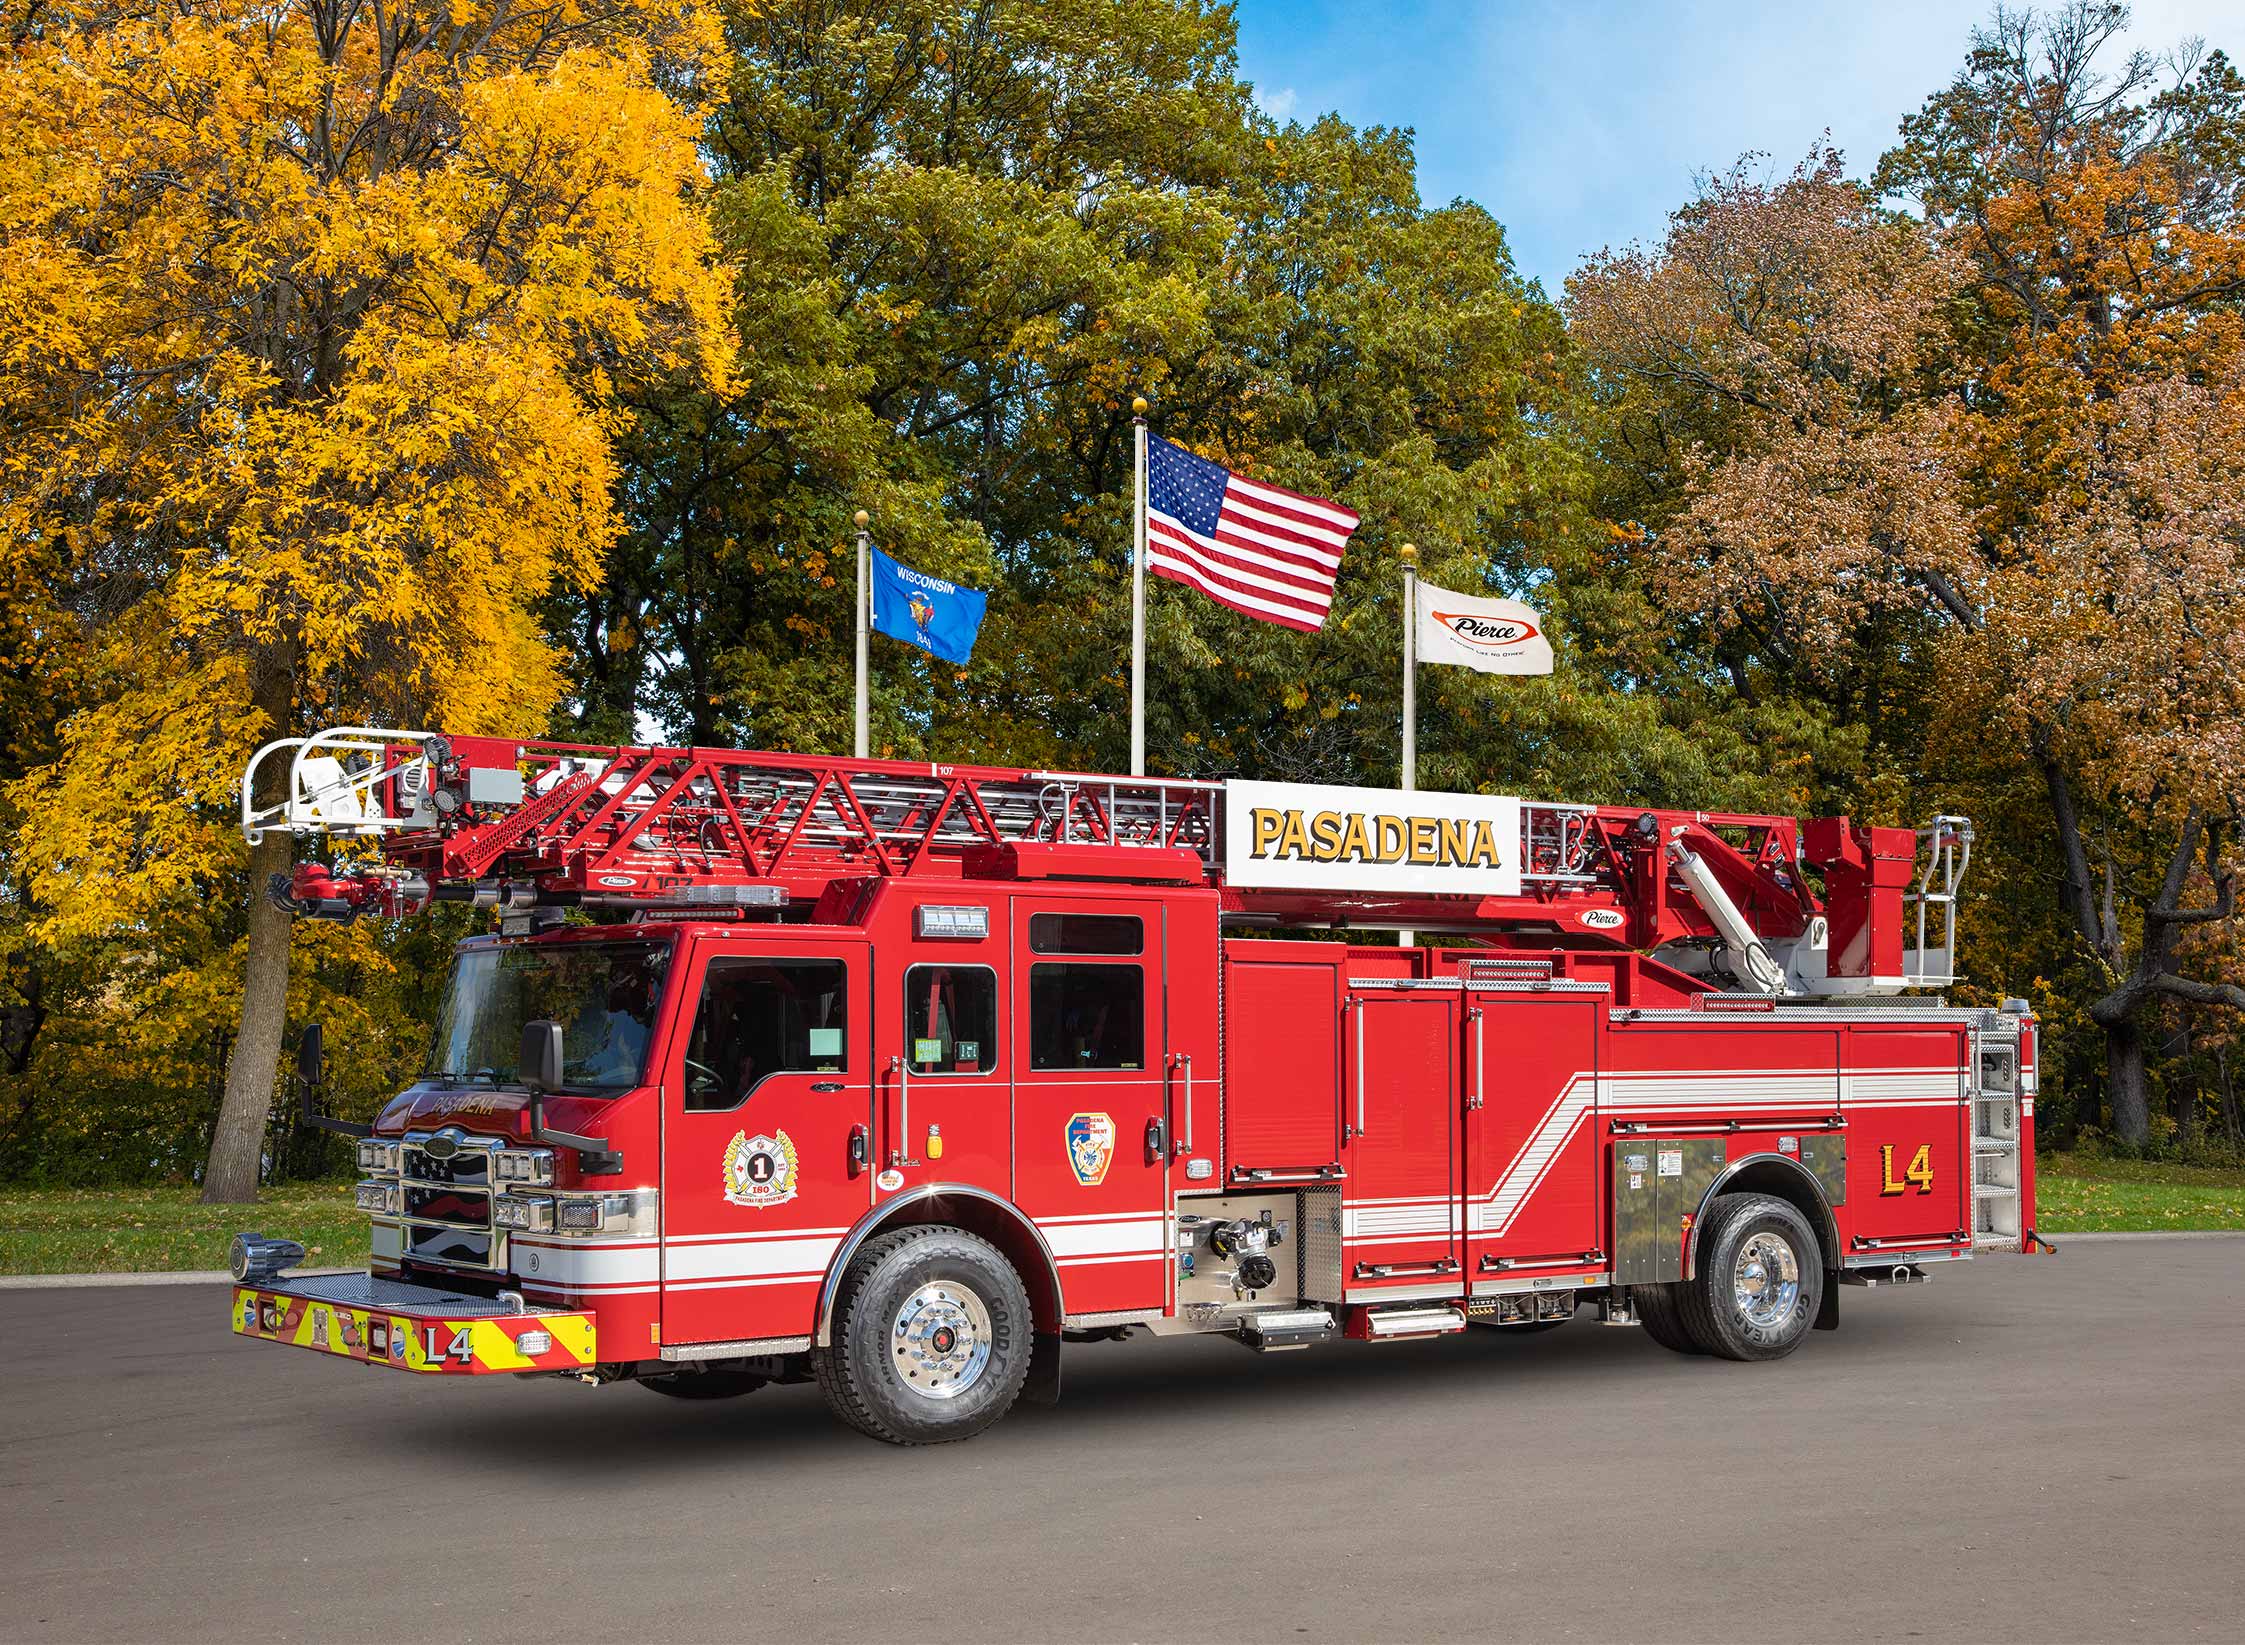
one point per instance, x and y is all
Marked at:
(940, 618)
(1494, 636)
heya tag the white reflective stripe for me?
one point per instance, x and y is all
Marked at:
(1081, 1239)
(596, 1265)
(1730, 1091)
(1089, 1262)
(741, 1282)
(752, 1234)
(745, 1258)
(1103, 1216)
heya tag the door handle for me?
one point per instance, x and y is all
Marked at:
(1183, 1063)
(1395, 1270)
(1358, 1003)
(901, 1154)
(1157, 1140)
(1480, 1075)
(861, 1149)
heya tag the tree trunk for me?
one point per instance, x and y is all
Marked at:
(2124, 1082)
(230, 1175)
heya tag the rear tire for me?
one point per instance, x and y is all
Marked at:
(1662, 1316)
(703, 1384)
(1760, 1281)
(932, 1337)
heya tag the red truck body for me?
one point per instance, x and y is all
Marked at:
(1098, 1042)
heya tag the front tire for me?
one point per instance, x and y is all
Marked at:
(1760, 1280)
(931, 1340)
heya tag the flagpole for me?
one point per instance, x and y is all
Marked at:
(863, 737)
(1409, 554)
(1138, 594)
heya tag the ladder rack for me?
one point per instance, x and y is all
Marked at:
(516, 822)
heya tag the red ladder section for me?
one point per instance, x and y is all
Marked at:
(520, 823)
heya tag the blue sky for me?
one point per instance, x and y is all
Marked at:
(1581, 125)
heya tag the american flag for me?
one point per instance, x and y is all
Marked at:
(1257, 548)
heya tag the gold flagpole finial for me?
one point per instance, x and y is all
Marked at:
(1138, 405)
(1408, 553)
(862, 518)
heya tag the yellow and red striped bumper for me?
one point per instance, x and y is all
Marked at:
(411, 1338)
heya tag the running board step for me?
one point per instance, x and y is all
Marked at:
(1273, 1330)
(1391, 1324)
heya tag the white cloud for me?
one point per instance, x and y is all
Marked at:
(1279, 104)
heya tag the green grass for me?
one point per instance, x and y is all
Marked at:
(2077, 1193)
(149, 1230)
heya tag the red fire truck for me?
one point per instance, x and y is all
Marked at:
(898, 1076)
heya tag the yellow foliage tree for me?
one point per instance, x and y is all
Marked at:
(314, 316)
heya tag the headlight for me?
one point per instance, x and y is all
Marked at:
(526, 1215)
(377, 1197)
(378, 1157)
(630, 1213)
(533, 1166)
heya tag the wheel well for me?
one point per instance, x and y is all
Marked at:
(1780, 1176)
(974, 1211)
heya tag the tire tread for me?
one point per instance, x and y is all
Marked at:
(839, 1376)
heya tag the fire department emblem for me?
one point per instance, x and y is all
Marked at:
(759, 1171)
(1091, 1147)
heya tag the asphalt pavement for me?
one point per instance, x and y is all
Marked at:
(2040, 1449)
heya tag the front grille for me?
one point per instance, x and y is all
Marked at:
(448, 1205)
(464, 1247)
(470, 1166)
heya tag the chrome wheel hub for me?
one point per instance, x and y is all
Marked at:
(1767, 1282)
(940, 1341)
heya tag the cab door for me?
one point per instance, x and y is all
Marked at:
(1089, 1054)
(945, 1109)
(767, 1132)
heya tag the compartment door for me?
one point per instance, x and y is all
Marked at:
(1399, 1220)
(1531, 1123)
(1282, 1071)
(1909, 1128)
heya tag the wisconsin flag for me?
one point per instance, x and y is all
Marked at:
(1494, 636)
(940, 618)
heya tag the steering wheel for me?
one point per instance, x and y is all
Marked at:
(715, 1079)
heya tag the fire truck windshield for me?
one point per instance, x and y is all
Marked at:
(602, 994)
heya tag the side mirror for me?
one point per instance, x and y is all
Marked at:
(311, 1055)
(539, 1068)
(539, 1065)
(311, 1068)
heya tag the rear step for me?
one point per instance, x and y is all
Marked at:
(1272, 1330)
(1394, 1324)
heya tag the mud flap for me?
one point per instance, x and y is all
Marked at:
(1043, 1386)
(1828, 1312)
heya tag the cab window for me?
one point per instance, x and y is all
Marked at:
(1086, 934)
(760, 1017)
(1087, 1016)
(951, 1019)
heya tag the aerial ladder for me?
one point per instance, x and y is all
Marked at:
(532, 827)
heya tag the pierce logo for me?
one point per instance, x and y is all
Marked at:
(1487, 633)
(1602, 919)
